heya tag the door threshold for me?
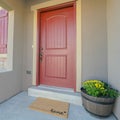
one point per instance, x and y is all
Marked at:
(56, 88)
(55, 93)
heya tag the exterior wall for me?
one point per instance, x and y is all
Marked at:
(113, 20)
(28, 51)
(94, 40)
(11, 81)
(94, 45)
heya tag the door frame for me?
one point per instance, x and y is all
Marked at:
(48, 9)
(50, 4)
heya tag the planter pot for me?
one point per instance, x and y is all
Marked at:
(97, 105)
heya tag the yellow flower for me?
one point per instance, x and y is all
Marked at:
(97, 85)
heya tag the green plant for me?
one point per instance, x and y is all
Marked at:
(98, 88)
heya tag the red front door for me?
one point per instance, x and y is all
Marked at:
(57, 48)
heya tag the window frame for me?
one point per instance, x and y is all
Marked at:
(10, 35)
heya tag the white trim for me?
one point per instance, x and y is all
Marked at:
(49, 3)
(4, 5)
(10, 40)
(1, 8)
(3, 55)
(34, 47)
(78, 46)
(78, 37)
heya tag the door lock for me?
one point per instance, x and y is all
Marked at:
(41, 54)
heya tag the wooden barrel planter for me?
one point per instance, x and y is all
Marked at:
(97, 105)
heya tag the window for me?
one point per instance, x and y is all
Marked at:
(6, 39)
(3, 37)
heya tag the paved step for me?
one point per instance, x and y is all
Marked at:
(56, 93)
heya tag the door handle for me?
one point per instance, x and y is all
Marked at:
(41, 54)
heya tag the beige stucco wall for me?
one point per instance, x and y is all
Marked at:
(94, 45)
(11, 81)
(94, 40)
(28, 51)
(113, 20)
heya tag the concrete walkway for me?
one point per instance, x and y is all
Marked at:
(16, 108)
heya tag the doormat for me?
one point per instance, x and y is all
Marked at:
(49, 106)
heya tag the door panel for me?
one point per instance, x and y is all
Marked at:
(56, 29)
(56, 66)
(57, 48)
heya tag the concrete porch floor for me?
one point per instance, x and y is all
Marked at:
(16, 108)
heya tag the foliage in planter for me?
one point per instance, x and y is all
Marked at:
(99, 88)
